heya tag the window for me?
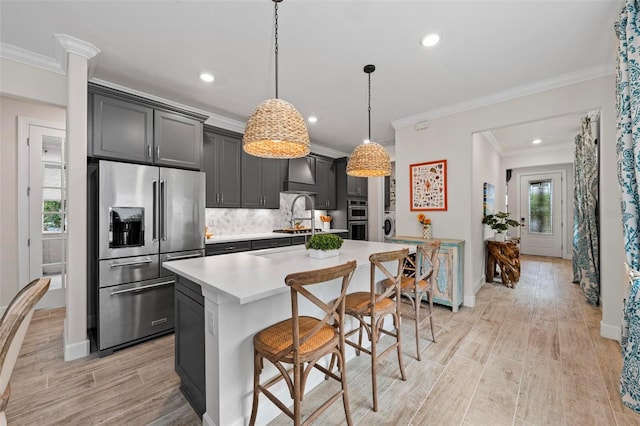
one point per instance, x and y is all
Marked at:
(540, 207)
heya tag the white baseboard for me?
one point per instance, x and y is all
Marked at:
(75, 350)
(608, 331)
(206, 420)
(470, 300)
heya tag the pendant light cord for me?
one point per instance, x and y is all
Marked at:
(276, 37)
(369, 107)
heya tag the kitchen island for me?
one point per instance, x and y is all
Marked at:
(243, 293)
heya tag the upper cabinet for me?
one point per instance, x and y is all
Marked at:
(326, 181)
(261, 182)
(126, 127)
(349, 186)
(122, 130)
(177, 140)
(222, 163)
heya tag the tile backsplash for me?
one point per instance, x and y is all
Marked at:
(251, 221)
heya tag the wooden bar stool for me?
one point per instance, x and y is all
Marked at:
(419, 283)
(376, 307)
(302, 341)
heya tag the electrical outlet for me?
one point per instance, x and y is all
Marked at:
(210, 323)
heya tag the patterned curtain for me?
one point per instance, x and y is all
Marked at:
(585, 215)
(628, 148)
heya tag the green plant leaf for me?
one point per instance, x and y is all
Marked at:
(324, 242)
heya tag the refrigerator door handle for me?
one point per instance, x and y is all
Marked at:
(163, 209)
(155, 211)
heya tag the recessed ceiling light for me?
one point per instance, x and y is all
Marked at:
(312, 119)
(536, 141)
(430, 40)
(206, 77)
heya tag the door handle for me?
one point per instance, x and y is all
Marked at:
(145, 287)
(135, 263)
(522, 221)
(154, 229)
(185, 256)
(163, 209)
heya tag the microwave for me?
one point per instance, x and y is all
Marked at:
(357, 210)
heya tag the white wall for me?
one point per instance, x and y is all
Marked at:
(450, 138)
(10, 109)
(485, 168)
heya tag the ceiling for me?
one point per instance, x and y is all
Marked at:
(486, 47)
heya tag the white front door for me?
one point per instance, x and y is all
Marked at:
(541, 214)
(46, 195)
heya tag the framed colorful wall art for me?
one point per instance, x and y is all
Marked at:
(488, 199)
(428, 185)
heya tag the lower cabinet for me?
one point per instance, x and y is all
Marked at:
(189, 343)
(449, 289)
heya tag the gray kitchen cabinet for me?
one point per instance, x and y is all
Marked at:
(226, 248)
(122, 130)
(270, 243)
(177, 140)
(326, 182)
(127, 127)
(189, 342)
(261, 182)
(222, 164)
(348, 186)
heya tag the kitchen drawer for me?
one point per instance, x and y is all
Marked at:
(128, 269)
(270, 243)
(135, 311)
(226, 248)
(298, 240)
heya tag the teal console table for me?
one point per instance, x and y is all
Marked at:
(449, 289)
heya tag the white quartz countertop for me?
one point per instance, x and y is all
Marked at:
(263, 236)
(253, 275)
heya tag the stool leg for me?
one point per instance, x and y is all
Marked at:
(343, 383)
(417, 302)
(257, 368)
(430, 295)
(396, 319)
(374, 383)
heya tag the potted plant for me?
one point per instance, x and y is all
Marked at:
(321, 246)
(499, 222)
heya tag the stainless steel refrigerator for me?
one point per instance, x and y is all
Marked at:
(146, 216)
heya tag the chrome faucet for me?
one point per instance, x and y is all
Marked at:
(313, 213)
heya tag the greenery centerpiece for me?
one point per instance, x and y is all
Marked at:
(324, 245)
(499, 222)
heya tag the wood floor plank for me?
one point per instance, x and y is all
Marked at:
(540, 400)
(544, 339)
(496, 397)
(444, 406)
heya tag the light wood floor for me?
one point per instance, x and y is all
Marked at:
(525, 356)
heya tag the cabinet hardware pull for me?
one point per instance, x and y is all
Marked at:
(158, 152)
(136, 263)
(160, 321)
(230, 248)
(146, 287)
(184, 256)
(222, 198)
(149, 151)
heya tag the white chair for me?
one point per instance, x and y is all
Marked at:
(13, 328)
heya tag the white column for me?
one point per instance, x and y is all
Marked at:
(76, 343)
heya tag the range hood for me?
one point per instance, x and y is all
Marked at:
(301, 176)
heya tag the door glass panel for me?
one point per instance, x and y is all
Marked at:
(540, 207)
(53, 187)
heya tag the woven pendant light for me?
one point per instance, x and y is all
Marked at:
(276, 129)
(369, 159)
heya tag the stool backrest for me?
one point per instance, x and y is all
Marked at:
(377, 262)
(334, 310)
(13, 327)
(427, 260)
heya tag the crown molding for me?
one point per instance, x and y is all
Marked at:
(562, 80)
(76, 46)
(225, 123)
(491, 138)
(17, 54)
